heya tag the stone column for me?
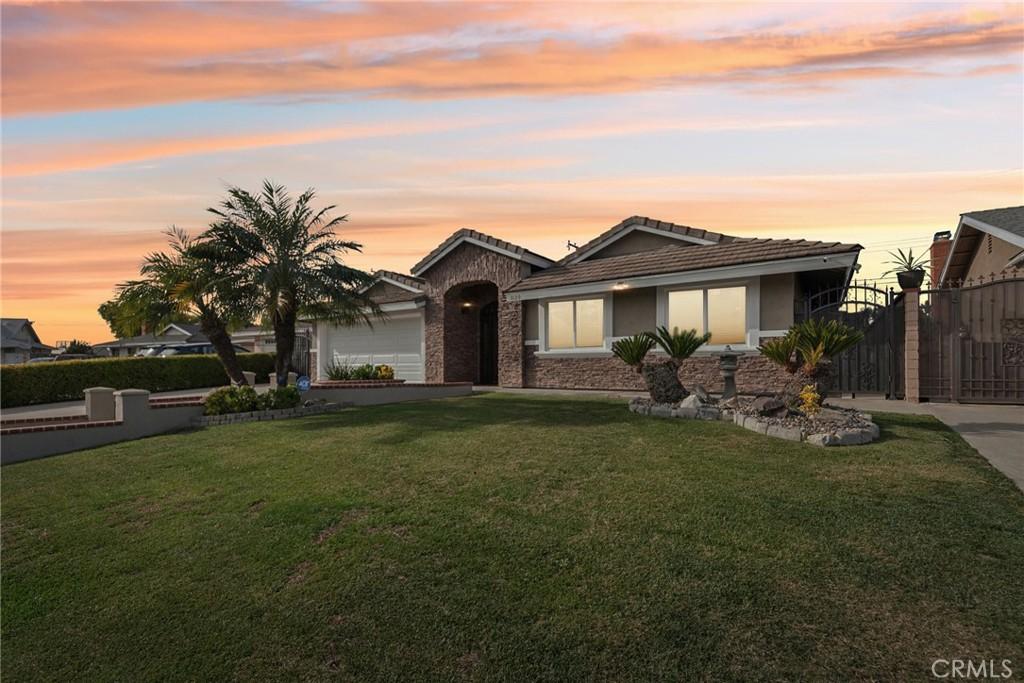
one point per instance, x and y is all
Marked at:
(99, 404)
(250, 377)
(131, 406)
(433, 339)
(911, 348)
(510, 342)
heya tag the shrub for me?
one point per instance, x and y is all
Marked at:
(65, 381)
(338, 371)
(385, 372)
(280, 398)
(238, 399)
(366, 371)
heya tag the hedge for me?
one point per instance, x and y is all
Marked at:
(22, 385)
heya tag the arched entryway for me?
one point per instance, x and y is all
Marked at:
(471, 333)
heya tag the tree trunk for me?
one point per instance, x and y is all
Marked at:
(663, 382)
(284, 338)
(219, 338)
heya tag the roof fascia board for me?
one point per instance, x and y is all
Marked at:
(396, 283)
(804, 263)
(583, 256)
(993, 230)
(540, 262)
(952, 249)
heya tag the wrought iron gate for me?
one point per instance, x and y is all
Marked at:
(870, 366)
(972, 342)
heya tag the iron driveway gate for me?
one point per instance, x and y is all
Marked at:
(972, 341)
(870, 367)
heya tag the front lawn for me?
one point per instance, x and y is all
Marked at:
(513, 538)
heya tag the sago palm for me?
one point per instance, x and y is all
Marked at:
(633, 350)
(286, 255)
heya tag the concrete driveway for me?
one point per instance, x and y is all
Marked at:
(997, 432)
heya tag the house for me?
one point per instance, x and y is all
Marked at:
(985, 243)
(170, 335)
(261, 339)
(20, 341)
(483, 310)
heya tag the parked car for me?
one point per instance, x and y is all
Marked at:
(191, 349)
(150, 351)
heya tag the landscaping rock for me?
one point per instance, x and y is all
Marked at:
(692, 401)
(769, 406)
(783, 432)
(708, 413)
(661, 410)
(821, 440)
(702, 394)
(685, 412)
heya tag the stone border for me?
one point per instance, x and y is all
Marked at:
(840, 437)
(261, 415)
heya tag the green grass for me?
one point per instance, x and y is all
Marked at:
(511, 538)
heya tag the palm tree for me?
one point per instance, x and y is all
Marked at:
(182, 283)
(662, 378)
(286, 255)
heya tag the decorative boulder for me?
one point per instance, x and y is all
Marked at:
(700, 392)
(769, 406)
(663, 382)
(692, 401)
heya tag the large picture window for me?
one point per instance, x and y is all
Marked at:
(722, 311)
(575, 324)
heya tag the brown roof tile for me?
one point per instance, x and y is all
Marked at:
(486, 239)
(675, 259)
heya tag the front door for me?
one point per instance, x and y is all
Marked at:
(489, 343)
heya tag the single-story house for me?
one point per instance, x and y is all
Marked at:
(19, 341)
(175, 333)
(483, 310)
(985, 243)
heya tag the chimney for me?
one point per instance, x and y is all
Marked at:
(940, 254)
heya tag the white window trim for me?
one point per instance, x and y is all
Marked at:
(753, 304)
(542, 325)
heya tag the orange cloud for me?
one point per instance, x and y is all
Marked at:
(39, 159)
(93, 57)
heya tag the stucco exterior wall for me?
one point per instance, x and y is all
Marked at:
(531, 320)
(636, 241)
(778, 292)
(991, 256)
(634, 311)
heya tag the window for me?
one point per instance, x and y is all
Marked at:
(721, 311)
(575, 324)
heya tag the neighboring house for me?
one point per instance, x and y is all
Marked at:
(985, 243)
(20, 342)
(173, 334)
(480, 309)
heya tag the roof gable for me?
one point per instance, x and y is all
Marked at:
(469, 236)
(1006, 224)
(683, 233)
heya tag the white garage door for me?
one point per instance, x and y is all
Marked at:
(397, 342)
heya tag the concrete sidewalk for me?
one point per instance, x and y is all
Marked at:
(997, 432)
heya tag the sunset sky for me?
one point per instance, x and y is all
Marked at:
(536, 123)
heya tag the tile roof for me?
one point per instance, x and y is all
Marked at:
(1010, 218)
(664, 226)
(407, 280)
(469, 233)
(674, 259)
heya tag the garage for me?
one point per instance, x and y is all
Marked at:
(397, 341)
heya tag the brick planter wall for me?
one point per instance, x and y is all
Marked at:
(755, 374)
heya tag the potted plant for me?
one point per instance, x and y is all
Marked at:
(909, 269)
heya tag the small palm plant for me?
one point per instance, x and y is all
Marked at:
(662, 378)
(808, 348)
(909, 269)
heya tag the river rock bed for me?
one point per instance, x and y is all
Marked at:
(833, 426)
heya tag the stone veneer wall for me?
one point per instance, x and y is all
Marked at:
(447, 349)
(754, 375)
